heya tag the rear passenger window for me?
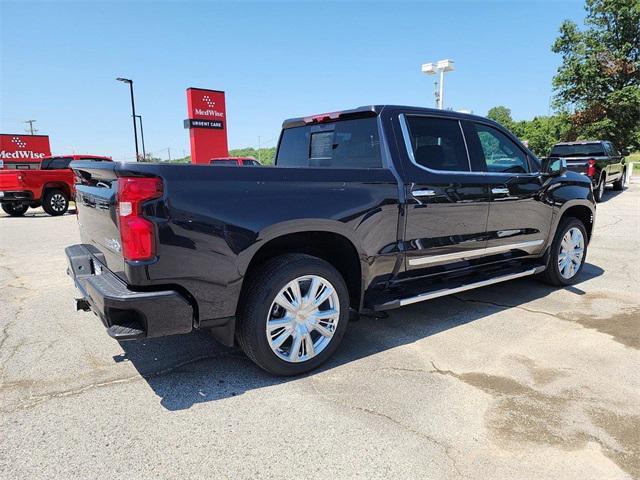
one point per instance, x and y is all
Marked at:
(438, 144)
(501, 154)
(343, 144)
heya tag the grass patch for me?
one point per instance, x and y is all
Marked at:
(635, 158)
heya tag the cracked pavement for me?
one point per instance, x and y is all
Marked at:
(516, 380)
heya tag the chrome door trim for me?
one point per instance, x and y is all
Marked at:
(479, 252)
(407, 143)
(412, 158)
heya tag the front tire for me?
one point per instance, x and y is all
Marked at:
(15, 209)
(567, 254)
(55, 202)
(293, 314)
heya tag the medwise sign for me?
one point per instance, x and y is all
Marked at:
(23, 149)
(207, 124)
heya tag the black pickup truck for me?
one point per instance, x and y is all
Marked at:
(365, 210)
(597, 159)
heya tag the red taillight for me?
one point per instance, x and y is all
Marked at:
(136, 232)
(591, 167)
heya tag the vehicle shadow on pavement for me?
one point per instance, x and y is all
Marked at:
(184, 370)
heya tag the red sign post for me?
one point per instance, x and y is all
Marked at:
(207, 124)
(23, 150)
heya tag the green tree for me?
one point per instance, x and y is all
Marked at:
(541, 133)
(598, 83)
(502, 115)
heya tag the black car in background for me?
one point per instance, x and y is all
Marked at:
(597, 159)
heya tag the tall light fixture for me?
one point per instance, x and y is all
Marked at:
(133, 113)
(441, 66)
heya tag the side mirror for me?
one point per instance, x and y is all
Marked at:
(554, 166)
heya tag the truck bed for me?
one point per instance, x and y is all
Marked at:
(210, 220)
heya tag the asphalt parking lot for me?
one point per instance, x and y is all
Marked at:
(516, 380)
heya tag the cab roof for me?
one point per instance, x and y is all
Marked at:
(372, 111)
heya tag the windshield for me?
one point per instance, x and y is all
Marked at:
(580, 150)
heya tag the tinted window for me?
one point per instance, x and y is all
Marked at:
(224, 163)
(250, 163)
(344, 144)
(501, 154)
(58, 163)
(578, 150)
(611, 150)
(438, 144)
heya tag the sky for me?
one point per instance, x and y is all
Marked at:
(59, 62)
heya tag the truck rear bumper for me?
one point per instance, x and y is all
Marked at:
(127, 314)
(21, 196)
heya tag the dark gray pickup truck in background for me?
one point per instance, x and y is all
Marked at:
(597, 159)
(365, 210)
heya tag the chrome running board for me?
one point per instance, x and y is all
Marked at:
(401, 302)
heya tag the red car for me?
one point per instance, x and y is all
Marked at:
(51, 186)
(234, 162)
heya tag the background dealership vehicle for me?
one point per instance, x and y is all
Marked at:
(366, 210)
(235, 162)
(52, 186)
(597, 159)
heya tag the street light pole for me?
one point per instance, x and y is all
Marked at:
(133, 113)
(441, 66)
(441, 94)
(144, 153)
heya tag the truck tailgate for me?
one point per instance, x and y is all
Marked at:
(11, 180)
(97, 216)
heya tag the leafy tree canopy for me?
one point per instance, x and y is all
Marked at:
(598, 83)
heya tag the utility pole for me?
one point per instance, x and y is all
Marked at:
(31, 130)
(259, 151)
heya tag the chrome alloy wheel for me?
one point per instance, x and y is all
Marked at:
(571, 253)
(303, 318)
(58, 202)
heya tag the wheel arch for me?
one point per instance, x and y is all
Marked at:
(56, 186)
(329, 244)
(583, 211)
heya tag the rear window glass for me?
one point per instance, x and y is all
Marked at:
(57, 163)
(343, 144)
(585, 150)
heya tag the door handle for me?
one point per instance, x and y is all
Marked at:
(423, 193)
(500, 191)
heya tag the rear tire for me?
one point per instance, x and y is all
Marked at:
(55, 202)
(621, 183)
(562, 254)
(316, 331)
(15, 209)
(598, 192)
